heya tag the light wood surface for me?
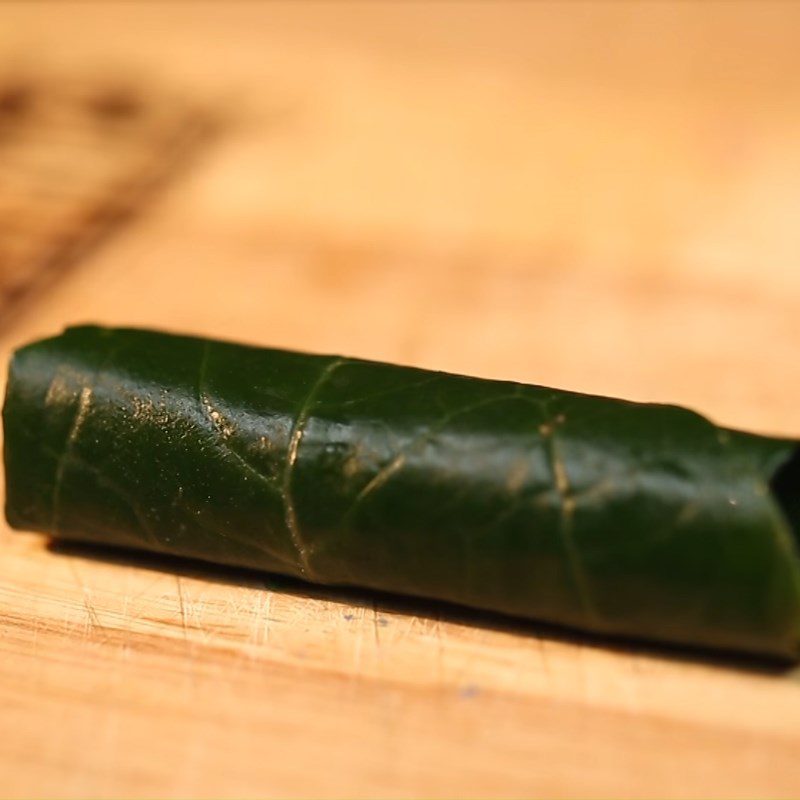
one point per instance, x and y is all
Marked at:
(77, 160)
(598, 197)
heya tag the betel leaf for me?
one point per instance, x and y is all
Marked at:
(629, 519)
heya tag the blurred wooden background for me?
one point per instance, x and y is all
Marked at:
(604, 197)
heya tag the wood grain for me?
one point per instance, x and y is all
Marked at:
(78, 158)
(599, 197)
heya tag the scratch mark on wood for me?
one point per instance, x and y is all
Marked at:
(375, 634)
(92, 620)
(267, 613)
(359, 645)
(182, 608)
(261, 623)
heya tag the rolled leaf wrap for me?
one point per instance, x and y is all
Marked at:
(634, 520)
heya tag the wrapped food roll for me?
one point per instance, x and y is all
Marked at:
(634, 520)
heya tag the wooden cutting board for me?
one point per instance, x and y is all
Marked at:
(597, 197)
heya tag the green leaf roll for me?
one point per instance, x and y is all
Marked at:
(634, 520)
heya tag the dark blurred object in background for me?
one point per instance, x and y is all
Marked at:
(78, 157)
